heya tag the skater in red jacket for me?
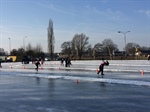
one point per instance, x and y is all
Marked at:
(101, 67)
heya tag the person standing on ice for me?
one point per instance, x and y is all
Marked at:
(66, 62)
(101, 67)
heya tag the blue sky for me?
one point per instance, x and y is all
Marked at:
(97, 19)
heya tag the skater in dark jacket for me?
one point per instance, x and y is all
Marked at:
(66, 62)
(37, 65)
(101, 67)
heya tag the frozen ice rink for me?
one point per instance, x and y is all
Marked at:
(77, 88)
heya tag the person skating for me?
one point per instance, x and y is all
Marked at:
(37, 65)
(66, 62)
(101, 67)
(69, 62)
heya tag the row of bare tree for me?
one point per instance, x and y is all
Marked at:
(80, 44)
(33, 52)
(77, 47)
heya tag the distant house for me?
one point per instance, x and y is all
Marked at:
(119, 53)
(143, 53)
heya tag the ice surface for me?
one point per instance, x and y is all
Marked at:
(55, 88)
(115, 65)
(54, 70)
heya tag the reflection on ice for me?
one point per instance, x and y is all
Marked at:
(83, 79)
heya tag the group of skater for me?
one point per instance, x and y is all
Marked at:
(67, 60)
(68, 63)
(101, 66)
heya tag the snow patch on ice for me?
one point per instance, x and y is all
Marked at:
(88, 79)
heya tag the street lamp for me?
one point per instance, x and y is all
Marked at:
(9, 45)
(124, 40)
(24, 42)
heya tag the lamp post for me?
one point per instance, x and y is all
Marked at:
(124, 40)
(9, 45)
(24, 42)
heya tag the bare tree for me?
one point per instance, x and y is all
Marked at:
(51, 38)
(131, 48)
(66, 48)
(98, 47)
(38, 48)
(80, 44)
(20, 53)
(38, 51)
(29, 47)
(29, 50)
(108, 46)
(144, 48)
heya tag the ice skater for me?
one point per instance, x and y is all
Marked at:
(101, 67)
(37, 65)
(67, 62)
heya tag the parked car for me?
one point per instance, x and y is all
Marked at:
(8, 59)
(58, 59)
(47, 59)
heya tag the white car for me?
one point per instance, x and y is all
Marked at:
(47, 59)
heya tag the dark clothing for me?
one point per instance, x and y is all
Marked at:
(101, 68)
(67, 62)
(37, 65)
